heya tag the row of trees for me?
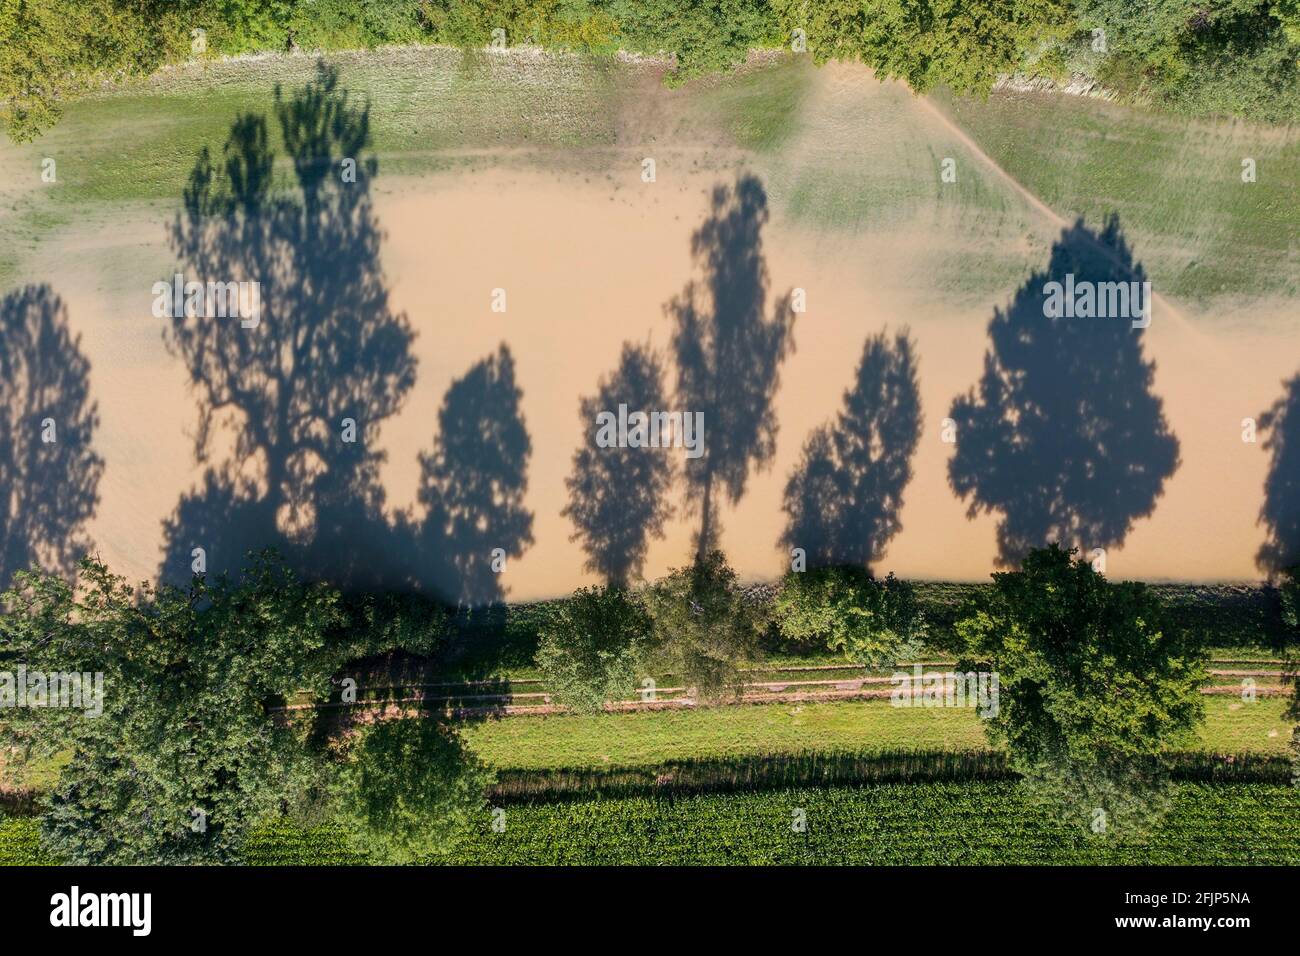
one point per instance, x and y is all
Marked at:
(1228, 57)
(195, 747)
(699, 625)
(1097, 682)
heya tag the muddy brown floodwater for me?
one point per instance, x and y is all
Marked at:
(588, 267)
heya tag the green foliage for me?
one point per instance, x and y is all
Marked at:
(1234, 56)
(741, 773)
(404, 790)
(394, 622)
(874, 623)
(53, 49)
(1287, 14)
(964, 44)
(20, 843)
(340, 24)
(705, 36)
(899, 825)
(592, 648)
(1256, 75)
(185, 756)
(704, 626)
(751, 772)
(991, 823)
(1222, 57)
(1289, 596)
(1096, 682)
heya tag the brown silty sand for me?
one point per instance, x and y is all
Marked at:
(589, 265)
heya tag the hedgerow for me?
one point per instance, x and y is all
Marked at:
(1234, 58)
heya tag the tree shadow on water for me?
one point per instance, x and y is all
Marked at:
(304, 390)
(1064, 438)
(49, 471)
(305, 387)
(729, 351)
(618, 496)
(844, 497)
(1280, 513)
(472, 486)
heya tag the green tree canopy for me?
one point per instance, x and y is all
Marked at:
(1096, 681)
(591, 650)
(704, 626)
(405, 790)
(965, 44)
(186, 754)
(843, 608)
(53, 49)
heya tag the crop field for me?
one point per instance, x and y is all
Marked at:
(931, 824)
(914, 824)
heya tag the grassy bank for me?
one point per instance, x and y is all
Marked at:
(1176, 183)
(632, 739)
(838, 150)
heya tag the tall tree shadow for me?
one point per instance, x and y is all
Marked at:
(304, 388)
(1280, 513)
(729, 351)
(472, 486)
(49, 471)
(1064, 440)
(844, 497)
(618, 495)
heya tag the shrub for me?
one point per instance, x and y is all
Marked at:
(704, 625)
(405, 790)
(875, 623)
(592, 647)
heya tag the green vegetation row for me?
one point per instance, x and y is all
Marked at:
(1243, 621)
(1234, 57)
(1097, 684)
(831, 769)
(775, 771)
(923, 824)
(942, 823)
(605, 746)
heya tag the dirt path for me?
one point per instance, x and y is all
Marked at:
(762, 692)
